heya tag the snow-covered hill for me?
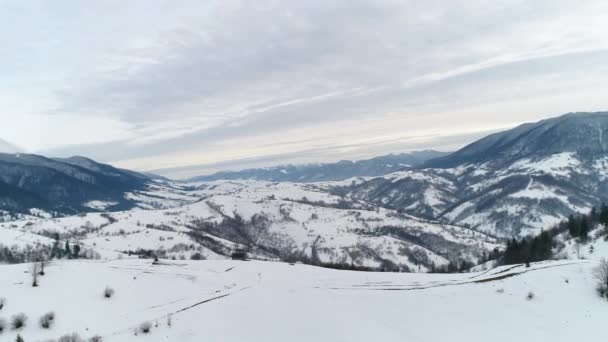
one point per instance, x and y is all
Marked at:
(266, 301)
(514, 183)
(276, 221)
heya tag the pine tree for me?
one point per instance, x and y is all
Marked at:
(573, 226)
(76, 251)
(56, 251)
(604, 215)
(584, 229)
(67, 250)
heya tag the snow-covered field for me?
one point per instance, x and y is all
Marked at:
(265, 301)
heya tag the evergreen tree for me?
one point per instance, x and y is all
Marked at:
(604, 215)
(573, 226)
(584, 229)
(594, 215)
(76, 251)
(56, 251)
(67, 250)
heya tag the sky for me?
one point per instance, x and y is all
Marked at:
(191, 87)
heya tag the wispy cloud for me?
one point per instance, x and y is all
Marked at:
(154, 84)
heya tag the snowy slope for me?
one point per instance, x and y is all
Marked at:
(512, 183)
(265, 301)
(285, 221)
(517, 199)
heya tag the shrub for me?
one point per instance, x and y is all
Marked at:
(169, 321)
(47, 320)
(2, 302)
(600, 273)
(74, 337)
(18, 321)
(145, 327)
(530, 295)
(19, 338)
(108, 292)
(2, 325)
(96, 338)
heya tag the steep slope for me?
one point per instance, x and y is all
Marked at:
(512, 183)
(61, 186)
(329, 172)
(579, 133)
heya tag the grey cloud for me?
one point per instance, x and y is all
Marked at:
(195, 76)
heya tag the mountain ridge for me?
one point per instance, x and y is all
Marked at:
(318, 172)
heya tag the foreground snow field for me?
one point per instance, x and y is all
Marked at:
(225, 300)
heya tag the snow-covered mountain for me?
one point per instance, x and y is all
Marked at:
(63, 185)
(451, 209)
(516, 182)
(330, 171)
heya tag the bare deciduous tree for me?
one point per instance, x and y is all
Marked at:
(600, 273)
(35, 272)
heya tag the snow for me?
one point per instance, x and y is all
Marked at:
(265, 301)
(299, 215)
(21, 238)
(99, 205)
(560, 164)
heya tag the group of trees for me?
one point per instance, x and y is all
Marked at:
(65, 250)
(538, 248)
(528, 250)
(28, 253)
(580, 226)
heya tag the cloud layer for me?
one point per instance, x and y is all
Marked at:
(162, 84)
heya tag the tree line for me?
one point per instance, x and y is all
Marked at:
(539, 248)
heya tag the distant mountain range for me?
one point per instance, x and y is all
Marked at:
(514, 182)
(419, 211)
(341, 170)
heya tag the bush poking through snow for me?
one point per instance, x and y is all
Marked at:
(145, 327)
(530, 295)
(19, 338)
(47, 320)
(2, 302)
(600, 273)
(108, 292)
(74, 337)
(2, 325)
(18, 321)
(169, 321)
(96, 338)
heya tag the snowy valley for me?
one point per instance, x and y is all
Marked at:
(128, 257)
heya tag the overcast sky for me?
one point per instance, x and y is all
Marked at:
(151, 84)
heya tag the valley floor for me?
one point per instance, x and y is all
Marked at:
(265, 301)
